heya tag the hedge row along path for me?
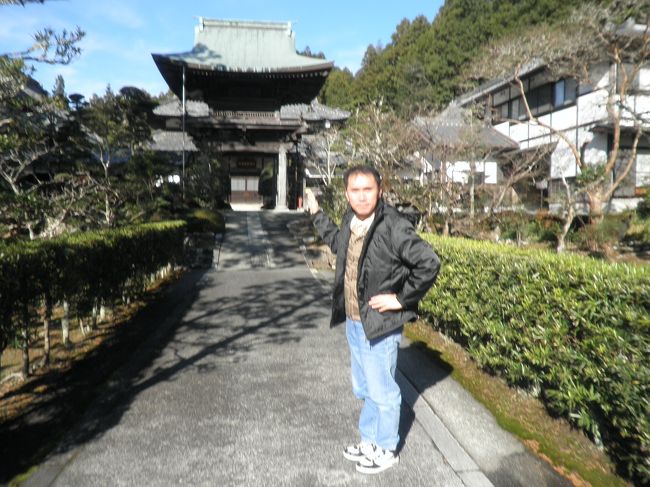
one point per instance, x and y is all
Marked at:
(249, 386)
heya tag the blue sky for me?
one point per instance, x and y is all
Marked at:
(122, 34)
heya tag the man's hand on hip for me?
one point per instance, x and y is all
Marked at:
(385, 302)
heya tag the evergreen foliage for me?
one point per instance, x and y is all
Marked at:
(84, 268)
(573, 330)
(421, 68)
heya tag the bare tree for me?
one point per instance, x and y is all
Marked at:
(461, 147)
(382, 139)
(322, 148)
(520, 168)
(573, 49)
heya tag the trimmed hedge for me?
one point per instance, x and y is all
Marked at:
(82, 268)
(573, 330)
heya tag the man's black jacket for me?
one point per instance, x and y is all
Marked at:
(393, 260)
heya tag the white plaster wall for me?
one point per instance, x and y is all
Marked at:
(491, 172)
(642, 107)
(642, 170)
(564, 119)
(596, 149)
(537, 131)
(541, 141)
(644, 78)
(618, 205)
(599, 75)
(563, 162)
(592, 107)
(519, 132)
(503, 127)
(457, 171)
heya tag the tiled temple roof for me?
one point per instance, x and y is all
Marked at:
(312, 112)
(246, 46)
(451, 128)
(169, 141)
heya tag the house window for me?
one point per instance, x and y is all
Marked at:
(542, 100)
(559, 93)
(570, 90)
(565, 92)
(643, 168)
(501, 112)
(517, 110)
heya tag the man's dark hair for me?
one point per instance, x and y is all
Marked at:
(367, 170)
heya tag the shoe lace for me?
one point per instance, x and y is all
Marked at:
(367, 449)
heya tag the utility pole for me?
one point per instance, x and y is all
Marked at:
(183, 128)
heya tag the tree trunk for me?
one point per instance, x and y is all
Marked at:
(25, 341)
(595, 208)
(107, 210)
(95, 313)
(445, 228)
(568, 217)
(471, 199)
(46, 329)
(561, 238)
(32, 234)
(65, 324)
(4, 342)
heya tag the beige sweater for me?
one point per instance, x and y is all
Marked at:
(351, 268)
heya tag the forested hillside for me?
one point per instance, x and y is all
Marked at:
(420, 68)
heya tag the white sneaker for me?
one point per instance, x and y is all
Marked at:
(359, 451)
(378, 461)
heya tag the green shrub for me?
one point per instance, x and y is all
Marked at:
(522, 226)
(83, 268)
(598, 237)
(203, 220)
(333, 201)
(544, 228)
(574, 329)
(639, 232)
(643, 209)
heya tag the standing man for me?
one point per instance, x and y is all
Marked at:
(382, 270)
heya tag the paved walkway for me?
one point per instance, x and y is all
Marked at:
(245, 384)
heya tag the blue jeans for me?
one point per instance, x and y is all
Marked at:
(373, 366)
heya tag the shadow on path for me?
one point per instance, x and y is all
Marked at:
(431, 369)
(30, 436)
(229, 317)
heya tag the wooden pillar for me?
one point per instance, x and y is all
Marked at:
(281, 195)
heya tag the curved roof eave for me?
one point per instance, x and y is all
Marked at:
(181, 59)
